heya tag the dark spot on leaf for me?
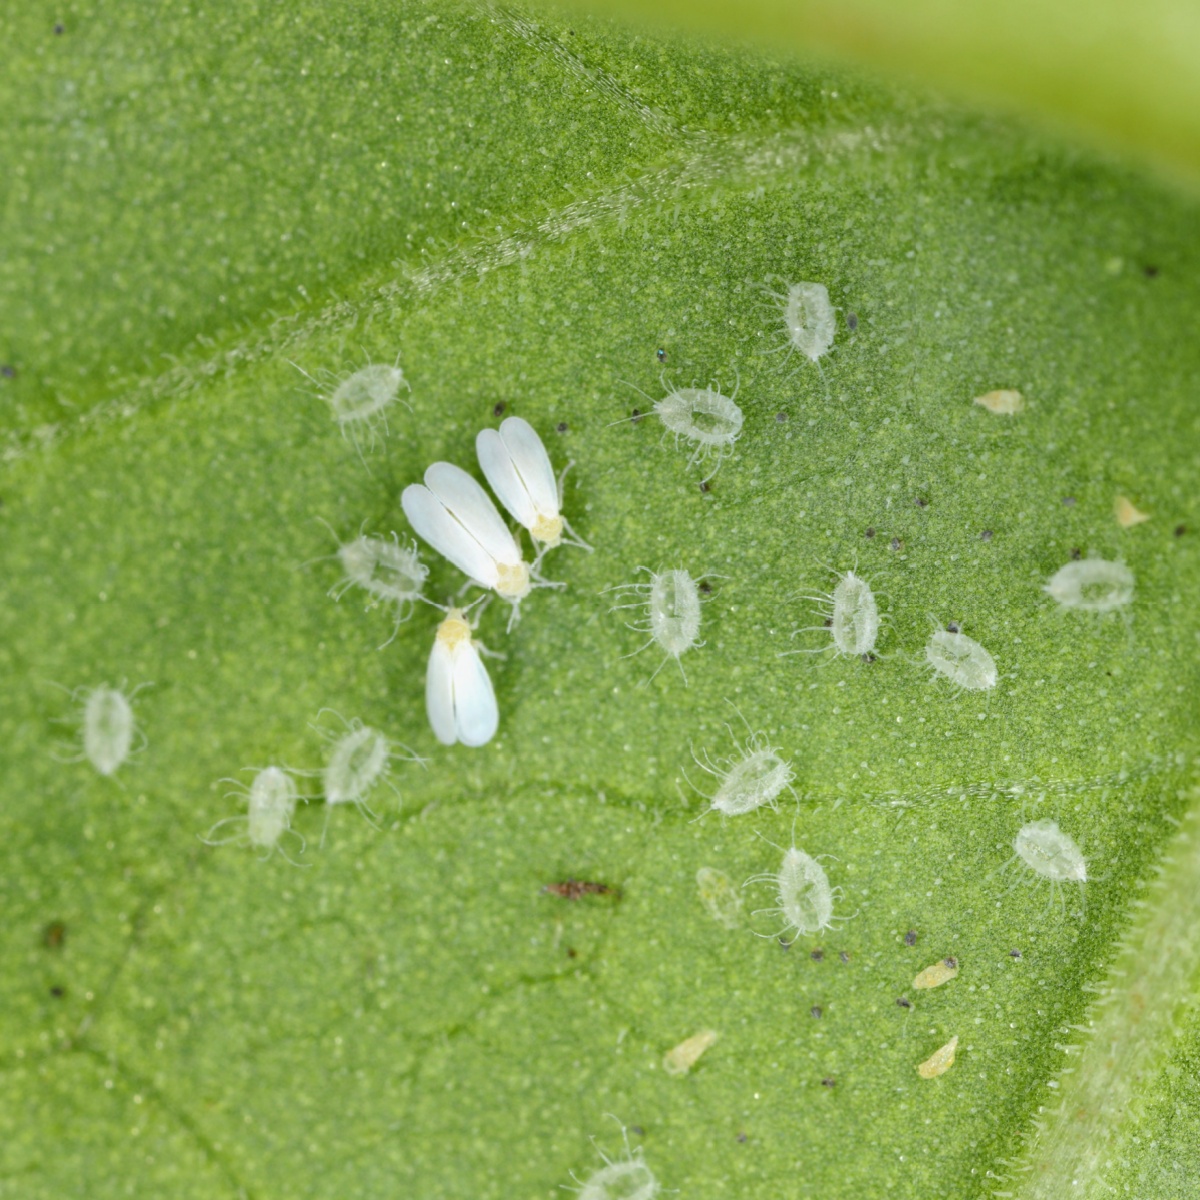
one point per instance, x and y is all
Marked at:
(921, 502)
(1014, 954)
(870, 531)
(662, 354)
(904, 1002)
(951, 962)
(869, 658)
(636, 415)
(1180, 530)
(815, 1011)
(1069, 501)
(910, 938)
(986, 535)
(897, 544)
(705, 486)
(706, 587)
(816, 955)
(828, 1082)
(562, 427)
(1076, 553)
(8, 371)
(741, 1137)
(852, 320)
(843, 956)
(1150, 271)
(951, 626)
(498, 408)
(571, 952)
(781, 417)
(57, 992)
(54, 935)
(60, 27)
(785, 943)
(637, 1131)
(574, 889)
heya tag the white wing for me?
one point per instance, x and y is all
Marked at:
(529, 456)
(475, 713)
(472, 507)
(439, 694)
(428, 516)
(497, 465)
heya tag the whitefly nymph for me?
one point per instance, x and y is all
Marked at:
(360, 759)
(625, 1178)
(803, 896)
(850, 616)
(962, 660)
(753, 777)
(391, 573)
(270, 805)
(1092, 585)
(108, 730)
(671, 603)
(1050, 854)
(359, 402)
(808, 318)
(705, 417)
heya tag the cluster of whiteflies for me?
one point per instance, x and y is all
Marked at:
(453, 513)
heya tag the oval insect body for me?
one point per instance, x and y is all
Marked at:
(804, 897)
(674, 611)
(358, 760)
(1092, 585)
(672, 604)
(514, 461)
(1052, 854)
(962, 660)
(108, 728)
(754, 777)
(362, 397)
(457, 518)
(628, 1179)
(390, 573)
(459, 697)
(808, 319)
(855, 616)
(704, 417)
(679, 1060)
(272, 805)
(719, 897)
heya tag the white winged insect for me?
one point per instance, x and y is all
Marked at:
(514, 460)
(459, 696)
(453, 513)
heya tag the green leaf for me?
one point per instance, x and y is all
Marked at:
(204, 204)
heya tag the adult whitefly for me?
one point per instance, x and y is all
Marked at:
(516, 464)
(453, 513)
(459, 698)
(1092, 585)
